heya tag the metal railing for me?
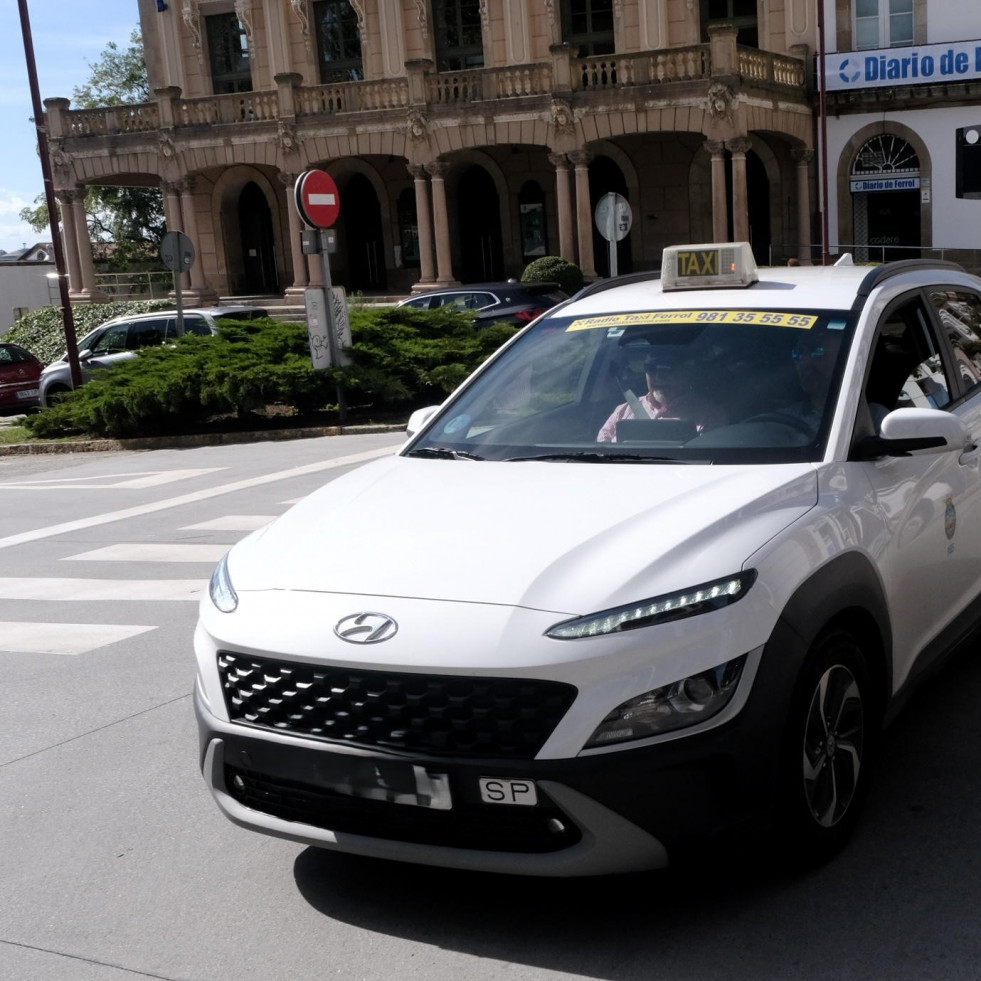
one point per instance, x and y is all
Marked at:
(135, 285)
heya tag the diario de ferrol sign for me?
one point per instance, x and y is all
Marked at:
(918, 65)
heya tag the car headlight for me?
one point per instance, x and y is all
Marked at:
(220, 589)
(675, 706)
(660, 609)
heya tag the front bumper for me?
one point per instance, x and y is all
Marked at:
(628, 810)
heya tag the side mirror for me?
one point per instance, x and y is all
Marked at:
(905, 432)
(419, 418)
(84, 354)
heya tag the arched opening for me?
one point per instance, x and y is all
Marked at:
(365, 252)
(885, 189)
(606, 177)
(479, 223)
(257, 274)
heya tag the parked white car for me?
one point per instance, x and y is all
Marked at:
(122, 337)
(656, 575)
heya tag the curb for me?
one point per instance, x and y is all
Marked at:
(202, 439)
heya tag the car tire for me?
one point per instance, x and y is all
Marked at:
(827, 751)
(56, 394)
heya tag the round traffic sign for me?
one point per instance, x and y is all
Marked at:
(317, 200)
(613, 216)
(176, 251)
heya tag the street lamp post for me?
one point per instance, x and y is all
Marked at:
(71, 341)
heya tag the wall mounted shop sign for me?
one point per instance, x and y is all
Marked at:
(861, 185)
(918, 65)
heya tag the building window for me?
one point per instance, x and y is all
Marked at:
(228, 50)
(741, 13)
(459, 38)
(338, 41)
(588, 26)
(883, 23)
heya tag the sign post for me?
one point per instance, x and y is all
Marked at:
(318, 205)
(613, 220)
(177, 254)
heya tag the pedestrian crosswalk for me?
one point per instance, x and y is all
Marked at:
(75, 638)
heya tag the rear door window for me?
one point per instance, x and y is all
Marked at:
(960, 318)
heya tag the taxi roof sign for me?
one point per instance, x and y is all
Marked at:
(699, 267)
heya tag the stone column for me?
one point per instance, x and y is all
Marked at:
(199, 291)
(720, 202)
(424, 224)
(70, 240)
(89, 290)
(740, 195)
(563, 202)
(803, 156)
(299, 261)
(444, 259)
(584, 214)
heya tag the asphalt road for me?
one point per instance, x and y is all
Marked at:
(115, 864)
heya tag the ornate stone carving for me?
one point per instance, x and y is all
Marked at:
(166, 147)
(562, 116)
(286, 137)
(418, 126)
(299, 8)
(550, 10)
(720, 101)
(437, 169)
(60, 161)
(358, 7)
(243, 11)
(423, 20)
(192, 21)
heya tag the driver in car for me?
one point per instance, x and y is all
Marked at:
(670, 395)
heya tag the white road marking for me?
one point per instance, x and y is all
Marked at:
(192, 498)
(151, 552)
(18, 637)
(233, 522)
(130, 481)
(93, 590)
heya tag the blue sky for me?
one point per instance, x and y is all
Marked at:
(69, 36)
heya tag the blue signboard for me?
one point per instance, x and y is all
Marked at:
(921, 64)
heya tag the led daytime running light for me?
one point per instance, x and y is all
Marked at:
(220, 588)
(661, 609)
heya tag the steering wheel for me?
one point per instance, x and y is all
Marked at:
(784, 419)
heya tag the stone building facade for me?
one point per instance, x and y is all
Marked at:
(466, 137)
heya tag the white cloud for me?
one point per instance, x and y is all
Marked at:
(14, 233)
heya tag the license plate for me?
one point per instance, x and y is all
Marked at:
(386, 780)
(28, 393)
(494, 790)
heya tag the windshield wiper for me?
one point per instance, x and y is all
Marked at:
(591, 456)
(443, 453)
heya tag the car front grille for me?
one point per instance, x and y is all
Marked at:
(541, 829)
(439, 715)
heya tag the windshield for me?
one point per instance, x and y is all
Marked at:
(699, 386)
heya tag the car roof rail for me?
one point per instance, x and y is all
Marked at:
(611, 283)
(880, 274)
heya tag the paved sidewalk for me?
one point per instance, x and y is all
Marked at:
(163, 442)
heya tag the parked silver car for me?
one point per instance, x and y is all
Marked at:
(120, 338)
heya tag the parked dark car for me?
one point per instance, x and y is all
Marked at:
(493, 303)
(19, 374)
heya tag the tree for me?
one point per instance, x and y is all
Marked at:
(130, 217)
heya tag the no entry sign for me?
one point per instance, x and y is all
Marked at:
(317, 200)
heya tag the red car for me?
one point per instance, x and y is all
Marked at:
(19, 374)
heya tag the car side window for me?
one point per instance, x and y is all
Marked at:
(146, 333)
(195, 325)
(960, 316)
(112, 339)
(907, 369)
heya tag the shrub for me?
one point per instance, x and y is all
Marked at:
(554, 269)
(401, 358)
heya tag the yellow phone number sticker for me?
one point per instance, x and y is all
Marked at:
(763, 318)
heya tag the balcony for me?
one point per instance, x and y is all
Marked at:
(564, 77)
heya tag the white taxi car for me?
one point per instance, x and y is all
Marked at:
(657, 574)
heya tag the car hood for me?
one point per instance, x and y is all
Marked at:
(562, 537)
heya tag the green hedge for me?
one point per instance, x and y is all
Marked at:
(401, 358)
